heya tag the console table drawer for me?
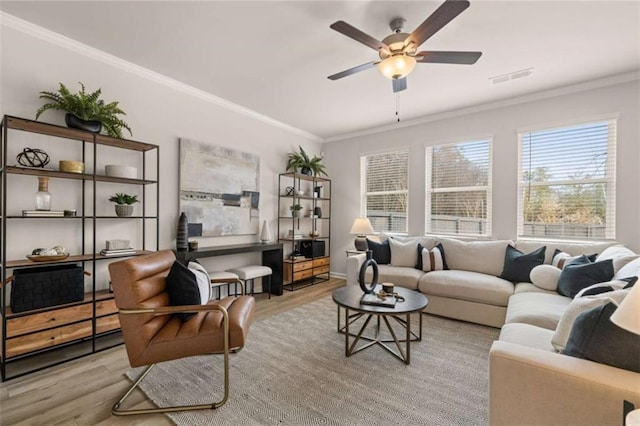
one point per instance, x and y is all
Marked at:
(300, 266)
(47, 338)
(49, 319)
(104, 324)
(321, 270)
(105, 307)
(307, 273)
(323, 261)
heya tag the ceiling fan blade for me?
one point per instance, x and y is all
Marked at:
(353, 70)
(438, 19)
(399, 84)
(357, 35)
(442, 57)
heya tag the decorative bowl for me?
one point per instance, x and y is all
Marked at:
(71, 166)
(116, 170)
(41, 258)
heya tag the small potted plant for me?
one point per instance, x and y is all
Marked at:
(124, 203)
(308, 166)
(295, 210)
(85, 111)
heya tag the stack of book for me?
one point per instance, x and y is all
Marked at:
(43, 213)
(118, 252)
(294, 235)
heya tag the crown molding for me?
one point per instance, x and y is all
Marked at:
(31, 29)
(575, 88)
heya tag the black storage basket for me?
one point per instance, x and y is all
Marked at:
(35, 288)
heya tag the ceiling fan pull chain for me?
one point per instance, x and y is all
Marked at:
(398, 107)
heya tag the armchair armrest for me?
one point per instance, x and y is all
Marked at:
(168, 310)
(353, 268)
(534, 386)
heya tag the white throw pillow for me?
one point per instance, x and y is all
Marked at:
(562, 259)
(403, 254)
(631, 269)
(578, 306)
(545, 277)
(601, 288)
(619, 254)
(433, 260)
(202, 278)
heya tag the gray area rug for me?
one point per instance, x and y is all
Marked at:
(293, 371)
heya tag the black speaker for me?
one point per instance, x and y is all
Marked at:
(312, 248)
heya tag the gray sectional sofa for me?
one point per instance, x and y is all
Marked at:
(530, 382)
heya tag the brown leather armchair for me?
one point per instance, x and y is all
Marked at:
(153, 334)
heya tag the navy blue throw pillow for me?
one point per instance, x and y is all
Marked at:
(581, 273)
(381, 251)
(518, 266)
(594, 337)
(183, 289)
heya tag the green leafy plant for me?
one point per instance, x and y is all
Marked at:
(86, 106)
(120, 198)
(295, 207)
(301, 160)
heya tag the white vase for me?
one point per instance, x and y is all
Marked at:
(265, 235)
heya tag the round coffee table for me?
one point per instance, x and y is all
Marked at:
(348, 298)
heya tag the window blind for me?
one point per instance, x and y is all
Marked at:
(458, 183)
(567, 182)
(385, 190)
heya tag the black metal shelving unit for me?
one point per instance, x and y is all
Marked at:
(302, 272)
(27, 348)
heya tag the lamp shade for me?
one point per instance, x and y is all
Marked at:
(627, 315)
(362, 226)
(397, 66)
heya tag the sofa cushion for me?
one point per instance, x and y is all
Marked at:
(403, 253)
(582, 273)
(381, 251)
(619, 254)
(578, 306)
(562, 258)
(425, 241)
(596, 338)
(545, 277)
(527, 335)
(398, 275)
(574, 249)
(518, 265)
(467, 285)
(431, 260)
(486, 257)
(530, 287)
(631, 269)
(535, 308)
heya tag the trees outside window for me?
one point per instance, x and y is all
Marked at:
(385, 190)
(567, 182)
(458, 184)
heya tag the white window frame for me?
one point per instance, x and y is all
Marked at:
(609, 180)
(429, 190)
(363, 188)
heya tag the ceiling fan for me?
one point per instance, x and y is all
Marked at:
(399, 51)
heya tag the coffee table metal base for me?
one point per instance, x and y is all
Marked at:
(403, 354)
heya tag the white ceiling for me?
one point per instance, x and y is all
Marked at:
(274, 57)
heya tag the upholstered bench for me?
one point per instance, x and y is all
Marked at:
(249, 273)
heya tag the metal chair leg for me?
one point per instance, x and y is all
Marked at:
(115, 410)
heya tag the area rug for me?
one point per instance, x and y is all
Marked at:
(293, 371)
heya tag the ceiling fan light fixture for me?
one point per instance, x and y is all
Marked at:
(397, 66)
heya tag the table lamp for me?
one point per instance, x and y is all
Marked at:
(627, 316)
(361, 227)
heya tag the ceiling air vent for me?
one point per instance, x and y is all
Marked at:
(511, 76)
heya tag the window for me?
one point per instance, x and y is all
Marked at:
(458, 184)
(384, 190)
(567, 182)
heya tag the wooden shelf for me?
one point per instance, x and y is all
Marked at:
(70, 259)
(305, 177)
(78, 176)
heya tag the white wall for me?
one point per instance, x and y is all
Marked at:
(157, 113)
(501, 124)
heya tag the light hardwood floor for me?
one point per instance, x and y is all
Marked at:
(82, 392)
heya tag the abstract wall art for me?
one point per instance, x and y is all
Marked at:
(219, 189)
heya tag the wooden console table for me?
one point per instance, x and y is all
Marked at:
(271, 257)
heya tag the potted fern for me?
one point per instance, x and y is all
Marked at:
(295, 210)
(124, 203)
(308, 166)
(85, 111)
